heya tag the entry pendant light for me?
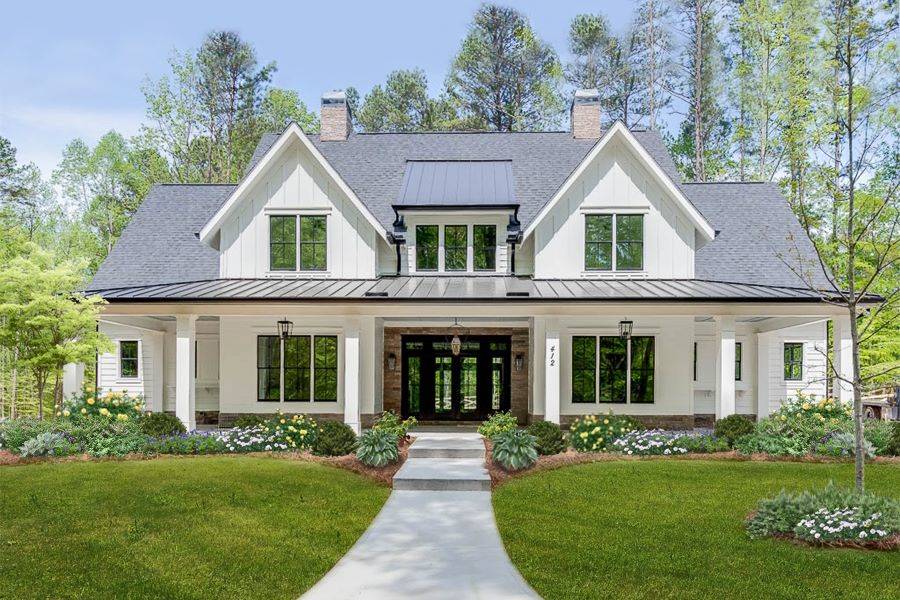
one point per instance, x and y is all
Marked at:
(456, 343)
(625, 328)
(285, 328)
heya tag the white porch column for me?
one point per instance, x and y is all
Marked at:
(763, 376)
(551, 372)
(351, 375)
(843, 359)
(724, 366)
(73, 379)
(185, 336)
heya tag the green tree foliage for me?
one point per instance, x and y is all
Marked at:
(402, 104)
(44, 320)
(504, 75)
(280, 107)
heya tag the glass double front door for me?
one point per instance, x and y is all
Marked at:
(440, 386)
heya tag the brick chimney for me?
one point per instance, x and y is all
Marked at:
(585, 114)
(335, 119)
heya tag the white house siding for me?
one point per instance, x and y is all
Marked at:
(615, 181)
(814, 338)
(296, 184)
(148, 383)
(672, 377)
(237, 363)
(705, 385)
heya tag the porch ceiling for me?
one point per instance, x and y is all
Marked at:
(462, 288)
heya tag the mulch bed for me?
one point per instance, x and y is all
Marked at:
(890, 543)
(499, 475)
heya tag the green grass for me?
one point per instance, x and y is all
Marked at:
(674, 529)
(223, 527)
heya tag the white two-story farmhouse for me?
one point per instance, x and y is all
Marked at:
(452, 275)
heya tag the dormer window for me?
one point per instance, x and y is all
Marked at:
(614, 242)
(456, 247)
(426, 247)
(298, 239)
(485, 247)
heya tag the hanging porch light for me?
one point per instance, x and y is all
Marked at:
(456, 343)
(285, 328)
(625, 328)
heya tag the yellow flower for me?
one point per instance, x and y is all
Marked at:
(84, 411)
(606, 421)
(283, 421)
(122, 417)
(584, 435)
(302, 432)
(783, 418)
(90, 401)
(806, 406)
(58, 414)
(104, 411)
(66, 413)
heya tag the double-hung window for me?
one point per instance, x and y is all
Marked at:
(310, 368)
(128, 359)
(793, 361)
(456, 247)
(427, 247)
(484, 249)
(738, 360)
(297, 240)
(613, 242)
(610, 369)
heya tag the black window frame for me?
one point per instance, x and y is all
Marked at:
(695, 361)
(484, 250)
(604, 382)
(792, 362)
(464, 248)
(581, 369)
(628, 242)
(420, 247)
(315, 246)
(738, 361)
(303, 371)
(130, 359)
(599, 242)
(292, 244)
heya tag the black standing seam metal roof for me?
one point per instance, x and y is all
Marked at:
(461, 288)
(456, 183)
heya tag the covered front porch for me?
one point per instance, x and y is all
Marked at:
(684, 364)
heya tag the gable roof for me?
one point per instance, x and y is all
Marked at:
(291, 132)
(456, 183)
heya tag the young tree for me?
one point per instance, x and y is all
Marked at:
(862, 256)
(43, 320)
(504, 75)
(652, 23)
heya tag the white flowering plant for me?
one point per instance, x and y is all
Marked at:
(653, 442)
(595, 433)
(282, 432)
(832, 515)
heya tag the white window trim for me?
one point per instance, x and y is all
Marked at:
(297, 214)
(614, 271)
(140, 363)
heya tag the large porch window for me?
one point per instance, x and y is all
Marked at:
(310, 368)
(608, 369)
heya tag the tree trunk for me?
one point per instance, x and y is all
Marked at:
(15, 384)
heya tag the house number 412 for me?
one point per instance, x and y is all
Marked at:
(552, 356)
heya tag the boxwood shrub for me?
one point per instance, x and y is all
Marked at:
(732, 427)
(160, 424)
(334, 439)
(548, 436)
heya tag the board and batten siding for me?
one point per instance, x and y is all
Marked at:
(149, 382)
(296, 184)
(614, 181)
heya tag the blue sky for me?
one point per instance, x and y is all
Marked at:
(75, 69)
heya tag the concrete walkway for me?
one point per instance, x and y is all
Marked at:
(435, 537)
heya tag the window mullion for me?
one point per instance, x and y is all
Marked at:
(628, 371)
(614, 248)
(312, 369)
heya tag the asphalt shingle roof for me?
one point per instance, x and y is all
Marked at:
(757, 231)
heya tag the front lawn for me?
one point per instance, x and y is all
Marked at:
(674, 529)
(206, 527)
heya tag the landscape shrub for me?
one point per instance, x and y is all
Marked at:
(390, 422)
(377, 448)
(247, 421)
(647, 443)
(15, 432)
(498, 423)
(110, 438)
(49, 444)
(732, 427)
(796, 427)
(334, 439)
(827, 515)
(186, 443)
(880, 433)
(295, 432)
(842, 444)
(514, 450)
(595, 433)
(549, 437)
(702, 444)
(892, 448)
(160, 424)
(121, 406)
(261, 438)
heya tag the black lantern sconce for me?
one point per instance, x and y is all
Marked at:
(392, 361)
(285, 328)
(625, 328)
(519, 361)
